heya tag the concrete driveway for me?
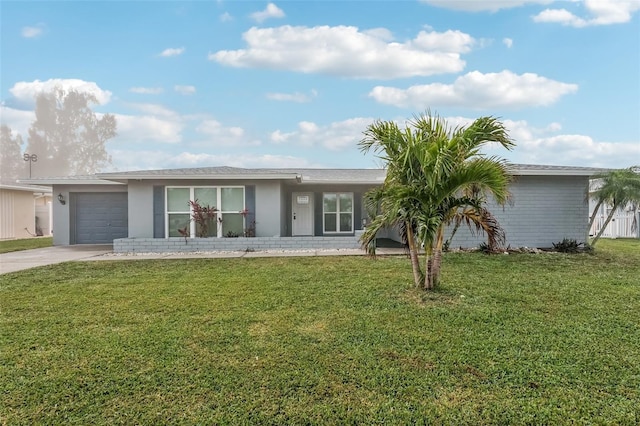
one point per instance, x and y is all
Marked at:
(25, 259)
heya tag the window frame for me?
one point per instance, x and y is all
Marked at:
(338, 212)
(189, 210)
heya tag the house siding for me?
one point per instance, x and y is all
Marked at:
(17, 214)
(147, 205)
(359, 212)
(543, 210)
(63, 219)
(141, 217)
(158, 211)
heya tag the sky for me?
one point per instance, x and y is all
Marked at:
(295, 83)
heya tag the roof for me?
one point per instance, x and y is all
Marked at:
(544, 170)
(303, 176)
(25, 188)
(69, 180)
(221, 173)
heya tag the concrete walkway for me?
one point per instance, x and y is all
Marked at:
(25, 259)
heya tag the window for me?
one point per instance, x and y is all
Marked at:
(229, 201)
(178, 212)
(337, 211)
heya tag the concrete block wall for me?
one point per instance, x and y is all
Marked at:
(543, 211)
(174, 245)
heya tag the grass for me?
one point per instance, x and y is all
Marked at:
(7, 246)
(508, 339)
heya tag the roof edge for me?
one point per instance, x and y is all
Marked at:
(127, 177)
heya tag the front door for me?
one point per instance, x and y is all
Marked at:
(302, 213)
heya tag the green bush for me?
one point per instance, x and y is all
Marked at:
(567, 246)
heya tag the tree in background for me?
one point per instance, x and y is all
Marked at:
(435, 174)
(11, 162)
(616, 188)
(67, 136)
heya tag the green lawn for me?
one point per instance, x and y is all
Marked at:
(7, 246)
(509, 339)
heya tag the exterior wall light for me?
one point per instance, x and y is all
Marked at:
(61, 199)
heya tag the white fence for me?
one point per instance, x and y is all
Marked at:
(622, 225)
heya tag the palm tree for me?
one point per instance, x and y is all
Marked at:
(432, 173)
(616, 188)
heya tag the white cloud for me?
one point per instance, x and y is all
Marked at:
(601, 12)
(292, 97)
(219, 135)
(483, 5)
(478, 91)
(26, 91)
(226, 17)
(271, 11)
(185, 90)
(154, 109)
(148, 128)
(507, 42)
(335, 136)
(348, 52)
(448, 41)
(172, 51)
(579, 150)
(560, 16)
(546, 145)
(147, 90)
(32, 32)
(18, 120)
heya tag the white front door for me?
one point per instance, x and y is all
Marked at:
(302, 213)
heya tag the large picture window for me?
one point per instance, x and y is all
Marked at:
(229, 219)
(337, 212)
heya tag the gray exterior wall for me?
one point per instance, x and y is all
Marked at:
(62, 225)
(359, 212)
(140, 209)
(268, 208)
(141, 202)
(543, 211)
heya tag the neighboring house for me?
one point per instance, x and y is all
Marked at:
(286, 208)
(25, 211)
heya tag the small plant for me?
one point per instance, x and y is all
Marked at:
(485, 248)
(185, 233)
(251, 230)
(232, 234)
(202, 216)
(567, 246)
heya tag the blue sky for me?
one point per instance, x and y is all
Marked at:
(294, 83)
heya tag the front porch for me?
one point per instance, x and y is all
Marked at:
(179, 244)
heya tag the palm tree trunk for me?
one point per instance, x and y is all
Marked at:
(606, 223)
(437, 257)
(428, 265)
(413, 255)
(594, 214)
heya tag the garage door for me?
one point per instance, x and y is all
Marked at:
(100, 217)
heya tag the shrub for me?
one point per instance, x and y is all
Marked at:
(567, 246)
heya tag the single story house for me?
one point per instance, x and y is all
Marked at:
(149, 211)
(25, 211)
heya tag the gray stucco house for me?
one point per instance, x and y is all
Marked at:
(149, 210)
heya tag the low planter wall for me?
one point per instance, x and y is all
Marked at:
(173, 245)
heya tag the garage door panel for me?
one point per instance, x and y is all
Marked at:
(100, 217)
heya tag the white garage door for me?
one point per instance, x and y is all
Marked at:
(100, 217)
